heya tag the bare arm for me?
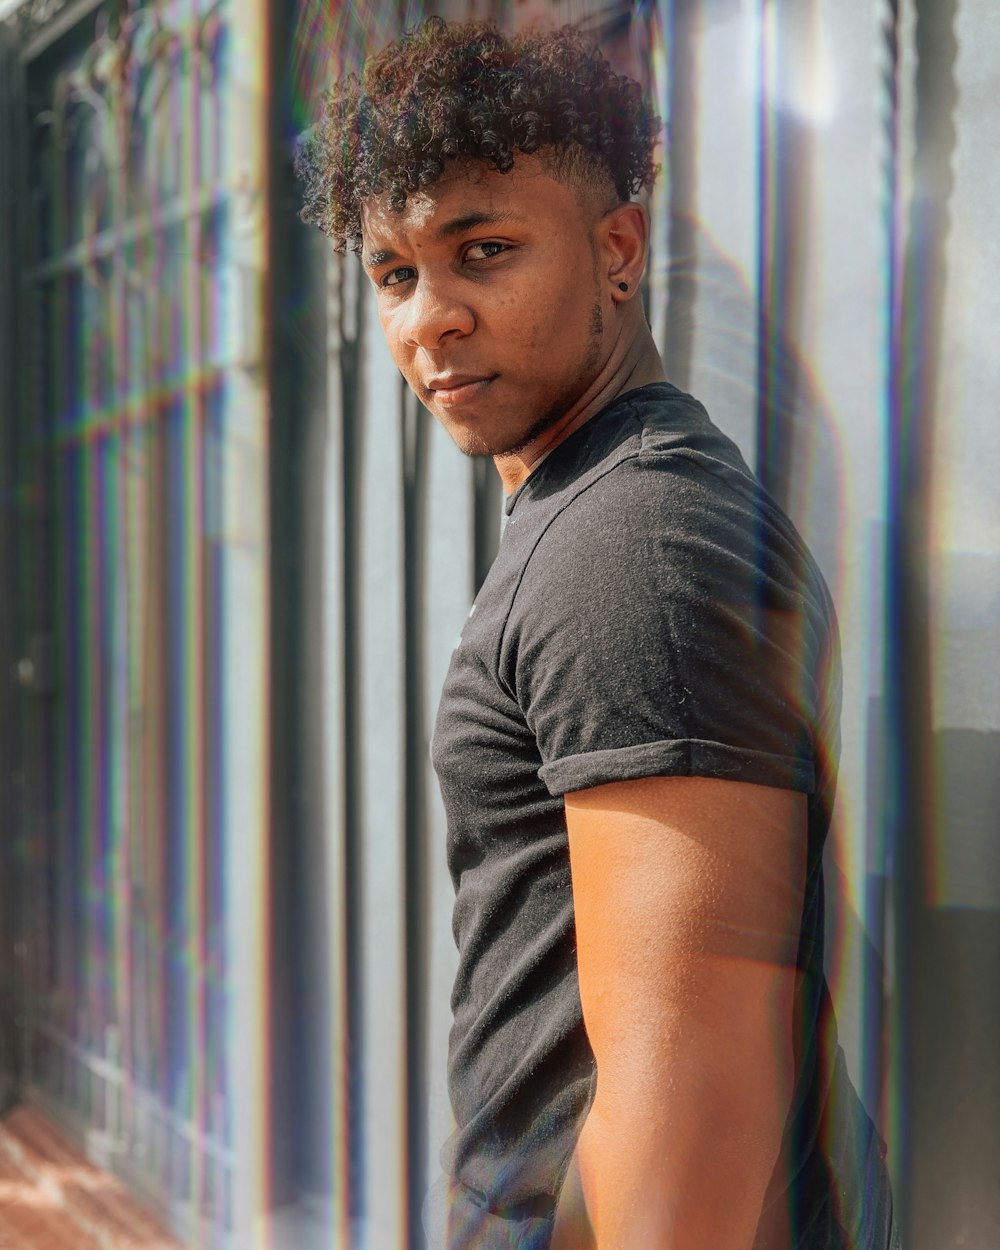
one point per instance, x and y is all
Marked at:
(688, 899)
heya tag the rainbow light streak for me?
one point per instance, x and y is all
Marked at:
(804, 458)
(190, 511)
(331, 40)
(143, 961)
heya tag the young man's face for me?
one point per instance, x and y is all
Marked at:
(487, 288)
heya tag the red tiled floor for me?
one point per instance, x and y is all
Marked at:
(52, 1198)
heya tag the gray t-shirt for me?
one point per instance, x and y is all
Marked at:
(650, 612)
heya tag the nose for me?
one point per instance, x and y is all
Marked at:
(434, 310)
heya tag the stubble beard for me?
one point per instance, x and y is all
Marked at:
(476, 445)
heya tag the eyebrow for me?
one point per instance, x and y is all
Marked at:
(372, 260)
(457, 225)
(472, 221)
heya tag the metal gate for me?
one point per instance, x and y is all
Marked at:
(140, 454)
(10, 181)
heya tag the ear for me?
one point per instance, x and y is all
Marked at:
(623, 240)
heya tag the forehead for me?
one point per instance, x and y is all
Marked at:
(466, 195)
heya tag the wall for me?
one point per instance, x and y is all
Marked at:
(821, 276)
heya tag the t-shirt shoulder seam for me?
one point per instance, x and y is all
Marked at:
(732, 475)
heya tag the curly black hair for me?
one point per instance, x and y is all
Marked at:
(446, 90)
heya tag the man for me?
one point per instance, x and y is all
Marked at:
(636, 739)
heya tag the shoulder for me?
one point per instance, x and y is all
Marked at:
(674, 516)
(667, 599)
(652, 461)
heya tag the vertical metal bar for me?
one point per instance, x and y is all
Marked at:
(337, 737)
(245, 595)
(414, 464)
(94, 949)
(121, 738)
(192, 685)
(142, 979)
(462, 510)
(767, 138)
(660, 81)
(382, 851)
(173, 1025)
(13, 961)
(874, 1085)
(488, 515)
(213, 1203)
(348, 326)
(786, 155)
(69, 936)
(681, 257)
(161, 352)
(908, 689)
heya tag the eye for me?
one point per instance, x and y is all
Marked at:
(486, 250)
(397, 276)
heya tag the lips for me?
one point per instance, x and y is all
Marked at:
(451, 389)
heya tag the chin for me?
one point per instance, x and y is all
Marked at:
(472, 444)
(473, 440)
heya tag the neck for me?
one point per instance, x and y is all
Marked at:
(632, 363)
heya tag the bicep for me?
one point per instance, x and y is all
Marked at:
(688, 902)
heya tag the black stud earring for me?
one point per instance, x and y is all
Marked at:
(622, 286)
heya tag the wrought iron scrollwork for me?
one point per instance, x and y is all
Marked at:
(32, 16)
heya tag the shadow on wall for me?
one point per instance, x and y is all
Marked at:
(949, 1107)
(712, 331)
(711, 348)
